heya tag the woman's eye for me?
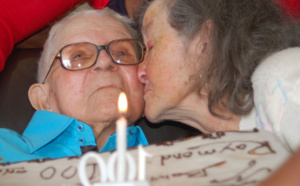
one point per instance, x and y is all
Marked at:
(149, 47)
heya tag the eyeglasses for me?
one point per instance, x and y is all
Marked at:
(79, 56)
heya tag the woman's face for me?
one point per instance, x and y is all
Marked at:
(169, 71)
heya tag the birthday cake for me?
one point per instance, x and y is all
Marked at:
(222, 158)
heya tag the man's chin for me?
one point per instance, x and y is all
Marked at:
(107, 96)
(109, 89)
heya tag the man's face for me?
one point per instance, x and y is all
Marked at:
(91, 95)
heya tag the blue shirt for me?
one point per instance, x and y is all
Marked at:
(52, 135)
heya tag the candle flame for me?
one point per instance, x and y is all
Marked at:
(122, 104)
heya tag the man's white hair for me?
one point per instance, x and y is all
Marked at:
(50, 50)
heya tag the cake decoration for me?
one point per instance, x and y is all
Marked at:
(226, 158)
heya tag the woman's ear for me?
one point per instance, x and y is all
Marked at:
(38, 96)
(205, 35)
(208, 29)
(201, 43)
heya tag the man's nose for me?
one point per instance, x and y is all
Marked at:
(142, 73)
(105, 62)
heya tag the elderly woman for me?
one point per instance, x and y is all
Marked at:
(222, 65)
(88, 59)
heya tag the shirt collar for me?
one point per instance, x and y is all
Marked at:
(44, 127)
(135, 136)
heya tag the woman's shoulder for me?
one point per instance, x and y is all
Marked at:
(276, 85)
(282, 64)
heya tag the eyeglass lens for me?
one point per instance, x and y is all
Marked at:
(84, 55)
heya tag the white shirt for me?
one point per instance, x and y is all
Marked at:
(276, 84)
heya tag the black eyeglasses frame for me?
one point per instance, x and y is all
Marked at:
(99, 48)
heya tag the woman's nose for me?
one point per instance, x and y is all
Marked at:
(104, 62)
(142, 73)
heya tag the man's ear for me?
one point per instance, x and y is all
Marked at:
(38, 96)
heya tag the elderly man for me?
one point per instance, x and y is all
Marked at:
(95, 58)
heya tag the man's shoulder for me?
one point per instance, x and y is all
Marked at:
(7, 134)
(10, 139)
(12, 146)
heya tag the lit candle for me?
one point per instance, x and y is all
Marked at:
(121, 138)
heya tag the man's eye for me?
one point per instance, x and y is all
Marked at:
(78, 56)
(121, 53)
(81, 57)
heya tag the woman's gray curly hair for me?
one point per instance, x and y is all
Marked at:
(50, 49)
(244, 32)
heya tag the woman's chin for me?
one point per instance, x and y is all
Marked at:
(152, 116)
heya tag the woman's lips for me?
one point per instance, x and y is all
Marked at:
(147, 89)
